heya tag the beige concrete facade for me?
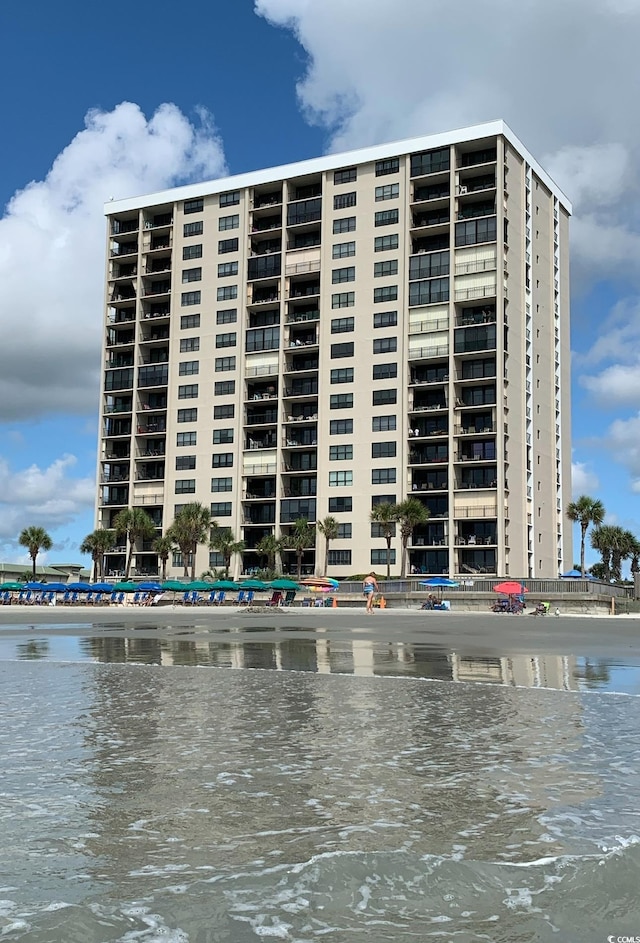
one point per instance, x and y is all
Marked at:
(307, 340)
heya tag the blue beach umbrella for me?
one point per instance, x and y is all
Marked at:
(438, 581)
(79, 587)
(150, 587)
(101, 587)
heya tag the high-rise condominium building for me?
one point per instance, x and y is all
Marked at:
(319, 338)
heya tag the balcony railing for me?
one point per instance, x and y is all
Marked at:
(425, 353)
(484, 291)
(298, 316)
(263, 468)
(488, 510)
(302, 268)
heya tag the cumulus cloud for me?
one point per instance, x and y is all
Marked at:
(52, 243)
(43, 497)
(623, 441)
(583, 479)
(617, 385)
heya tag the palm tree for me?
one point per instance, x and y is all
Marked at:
(163, 546)
(97, 543)
(622, 549)
(615, 545)
(301, 538)
(409, 514)
(134, 524)
(35, 539)
(329, 528)
(191, 526)
(224, 542)
(269, 547)
(386, 516)
(634, 547)
(585, 511)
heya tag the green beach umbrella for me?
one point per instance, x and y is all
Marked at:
(174, 586)
(126, 586)
(200, 586)
(258, 585)
(285, 584)
(11, 587)
(226, 585)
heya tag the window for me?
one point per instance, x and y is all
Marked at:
(342, 350)
(226, 340)
(475, 231)
(232, 198)
(340, 505)
(344, 532)
(341, 401)
(186, 438)
(190, 298)
(225, 269)
(188, 391)
(340, 479)
(339, 558)
(227, 245)
(193, 229)
(388, 293)
(224, 388)
(192, 252)
(189, 368)
(191, 275)
(216, 560)
(383, 476)
(342, 325)
(265, 266)
(385, 319)
(385, 345)
(341, 427)
(189, 344)
(344, 375)
(429, 265)
(291, 510)
(378, 530)
(424, 293)
(385, 371)
(264, 338)
(350, 175)
(344, 250)
(224, 363)
(380, 269)
(227, 293)
(348, 224)
(222, 436)
(383, 243)
(383, 450)
(187, 415)
(379, 557)
(222, 484)
(228, 222)
(345, 299)
(222, 460)
(188, 321)
(185, 486)
(383, 424)
(227, 316)
(387, 218)
(221, 509)
(343, 200)
(389, 166)
(347, 274)
(384, 397)
(224, 412)
(193, 206)
(429, 162)
(185, 462)
(389, 192)
(340, 453)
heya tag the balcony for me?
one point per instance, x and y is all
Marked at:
(300, 464)
(261, 296)
(475, 266)
(307, 415)
(428, 456)
(470, 294)
(485, 314)
(121, 315)
(436, 191)
(429, 483)
(470, 539)
(123, 406)
(118, 473)
(155, 311)
(255, 442)
(300, 364)
(154, 448)
(304, 289)
(120, 293)
(428, 352)
(434, 218)
(263, 200)
(303, 339)
(483, 478)
(299, 315)
(262, 418)
(472, 339)
(309, 388)
(304, 439)
(267, 223)
(120, 338)
(429, 375)
(428, 429)
(159, 334)
(158, 221)
(114, 428)
(485, 155)
(152, 427)
(475, 210)
(260, 468)
(157, 288)
(475, 184)
(122, 226)
(427, 404)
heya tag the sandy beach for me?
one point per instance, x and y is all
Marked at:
(478, 633)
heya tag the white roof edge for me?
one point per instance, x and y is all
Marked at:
(333, 162)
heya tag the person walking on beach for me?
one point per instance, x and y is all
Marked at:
(369, 587)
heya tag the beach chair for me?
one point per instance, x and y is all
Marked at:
(220, 598)
(289, 597)
(97, 599)
(66, 599)
(249, 599)
(74, 598)
(240, 598)
(307, 601)
(136, 598)
(212, 598)
(89, 598)
(121, 599)
(276, 598)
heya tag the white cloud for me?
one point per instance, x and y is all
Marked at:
(583, 479)
(616, 385)
(43, 497)
(623, 441)
(52, 240)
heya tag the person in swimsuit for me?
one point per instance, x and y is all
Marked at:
(369, 587)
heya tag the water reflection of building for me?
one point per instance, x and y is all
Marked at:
(528, 671)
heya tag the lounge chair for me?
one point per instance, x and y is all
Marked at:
(307, 601)
(276, 598)
(288, 599)
(220, 598)
(240, 598)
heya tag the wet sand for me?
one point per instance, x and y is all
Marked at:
(475, 633)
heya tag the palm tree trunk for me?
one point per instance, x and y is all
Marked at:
(299, 556)
(193, 562)
(33, 564)
(583, 532)
(326, 555)
(388, 558)
(403, 562)
(164, 570)
(129, 559)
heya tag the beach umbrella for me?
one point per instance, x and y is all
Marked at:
(79, 587)
(11, 587)
(227, 586)
(439, 581)
(510, 588)
(35, 585)
(173, 586)
(199, 586)
(257, 585)
(150, 587)
(101, 587)
(320, 584)
(575, 575)
(126, 586)
(284, 584)
(56, 587)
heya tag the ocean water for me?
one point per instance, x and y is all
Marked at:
(168, 802)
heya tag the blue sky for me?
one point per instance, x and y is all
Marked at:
(111, 101)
